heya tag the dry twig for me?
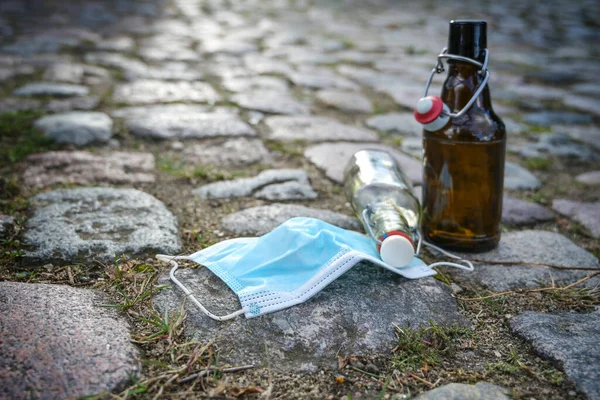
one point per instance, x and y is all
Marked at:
(211, 370)
(508, 292)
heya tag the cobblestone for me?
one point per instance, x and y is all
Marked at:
(587, 214)
(83, 168)
(332, 159)
(403, 123)
(315, 129)
(57, 343)
(243, 187)
(345, 101)
(77, 127)
(180, 121)
(148, 91)
(568, 338)
(51, 89)
(530, 246)
(257, 221)
(230, 153)
(98, 223)
(270, 101)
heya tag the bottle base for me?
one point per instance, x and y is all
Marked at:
(462, 244)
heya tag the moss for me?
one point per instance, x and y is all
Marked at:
(538, 163)
(293, 149)
(427, 346)
(18, 137)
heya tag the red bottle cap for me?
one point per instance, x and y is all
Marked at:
(428, 109)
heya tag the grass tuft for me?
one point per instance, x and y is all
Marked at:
(18, 137)
(422, 348)
(538, 163)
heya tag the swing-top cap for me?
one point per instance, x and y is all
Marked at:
(397, 250)
(468, 38)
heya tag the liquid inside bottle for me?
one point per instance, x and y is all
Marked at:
(382, 197)
(464, 160)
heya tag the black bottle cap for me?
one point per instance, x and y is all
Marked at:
(468, 38)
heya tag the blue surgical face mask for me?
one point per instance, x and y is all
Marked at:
(287, 266)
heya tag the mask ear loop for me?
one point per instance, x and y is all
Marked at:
(467, 267)
(171, 260)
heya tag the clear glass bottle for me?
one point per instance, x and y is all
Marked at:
(464, 160)
(382, 197)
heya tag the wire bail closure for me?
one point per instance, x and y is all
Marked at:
(439, 68)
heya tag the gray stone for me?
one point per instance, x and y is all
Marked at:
(303, 55)
(171, 71)
(583, 103)
(183, 122)
(291, 190)
(57, 343)
(270, 101)
(216, 45)
(6, 74)
(243, 187)
(520, 212)
(6, 223)
(321, 78)
(333, 157)
(512, 126)
(83, 168)
(250, 83)
(588, 134)
(357, 57)
(552, 77)
(257, 221)
(345, 100)
(405, 93)
(354, 315)
(461, 391)
(536, 92)
(548, 118)
(78, 127)
(72, 73)
(591, 178)
(587, 214)
(72, 103)
(555, 144)
(51, 89)
(413, 146)
(403, 123)
(147, 91)
(589, 89)
(404, 90)
(315, 129)
(143, 111)
(230, 153)
(568, 338)
(260, 64)
(16, 104)
(98, 224)
(167, 47)
(116, 60)
(117, 43)
(529, 246)
(518, 178)
(50, 41)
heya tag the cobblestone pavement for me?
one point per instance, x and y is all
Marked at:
(129, 128)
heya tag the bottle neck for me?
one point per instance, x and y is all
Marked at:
(462, 82)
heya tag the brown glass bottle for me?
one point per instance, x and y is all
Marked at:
(464, 161)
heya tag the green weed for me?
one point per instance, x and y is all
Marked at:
(425, 347)
(18, 137)
(538, 163)
(293, 149)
